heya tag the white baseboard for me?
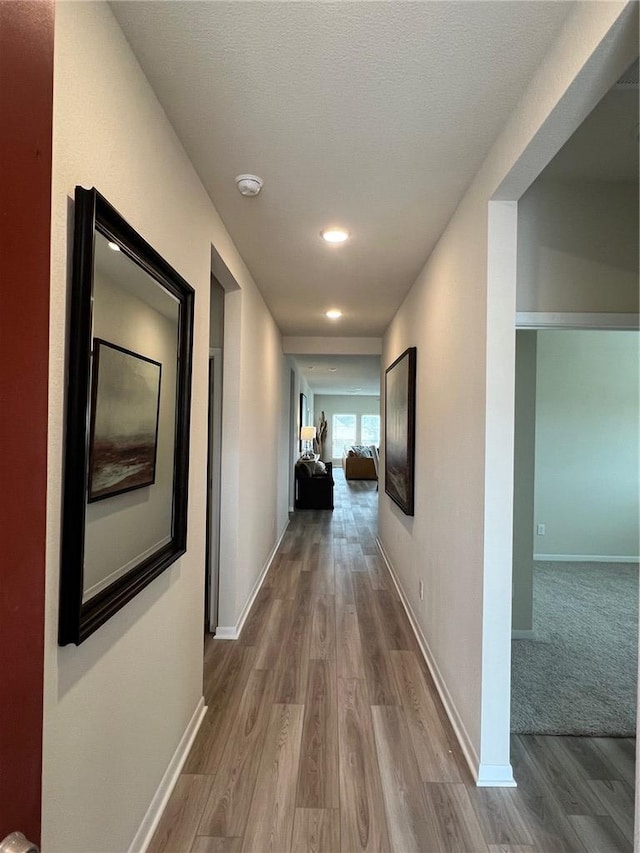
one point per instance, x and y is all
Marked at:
(468, 749)
(232, 632)
(517, 634)
(495, 776)
(160, 799)
(226, 633)
(583, 558)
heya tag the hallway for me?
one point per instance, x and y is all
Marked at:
(324, 731)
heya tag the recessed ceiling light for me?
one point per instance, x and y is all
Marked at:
(334, 235)
(332, 369)
(333, 314)
(113, 246)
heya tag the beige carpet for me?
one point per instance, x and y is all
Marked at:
(579, 676)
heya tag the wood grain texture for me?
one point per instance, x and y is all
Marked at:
(391, 615)
(362, 813)
(276, 628)
(550, 767)
(409, 821)
(435, 755)
(344, 588)
(511, 848)
(457, 825)
(318, 775)
(348, 645)
(323, 631)
(257, 618)
(617, 798)
(228, 804)
(202, 844)
(325, 732)
(270, 823)
(179, 822)
(380, 682)
(378, 574)
(285, 581)
(316, 831)
(542, 796)
(621, 752)
(293, 660)
(500, 816)
(600, 834)
(220, 718)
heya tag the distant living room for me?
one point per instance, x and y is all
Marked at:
(353, 433)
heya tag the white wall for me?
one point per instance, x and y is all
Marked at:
(253, 504)
(578, 247)
(460, 315)
(331, 404)
(116, 707)
(587, 441)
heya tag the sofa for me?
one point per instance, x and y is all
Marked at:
(314, 484)
(358, 463)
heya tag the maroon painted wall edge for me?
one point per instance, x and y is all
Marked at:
(26, 105)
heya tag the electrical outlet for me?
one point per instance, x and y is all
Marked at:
(421, 590)
(541, 529)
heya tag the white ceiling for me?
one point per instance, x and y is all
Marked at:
(347, 374)
(371, 115)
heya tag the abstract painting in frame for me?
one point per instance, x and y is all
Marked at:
(400, 416)
(124, 421)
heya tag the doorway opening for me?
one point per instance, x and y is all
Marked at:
(214, 464)
(575, 508)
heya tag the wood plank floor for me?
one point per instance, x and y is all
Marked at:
(324, 731)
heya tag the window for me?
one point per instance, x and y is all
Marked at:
(348, 429)
(343, 432)
(370, 429)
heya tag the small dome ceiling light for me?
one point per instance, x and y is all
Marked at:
(334, 235)
(333, 314)
(249, 185)
(332, 369)
(113, 246)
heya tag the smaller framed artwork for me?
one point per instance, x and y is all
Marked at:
(124, 421)
(400, 419)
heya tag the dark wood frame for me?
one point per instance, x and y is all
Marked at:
(409, 437)
(98, 343)
(78, 619)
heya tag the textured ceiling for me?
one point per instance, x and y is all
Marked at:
(345, 374)
(371, 115)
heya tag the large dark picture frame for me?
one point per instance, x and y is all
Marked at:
(81, 613)
(399, 433)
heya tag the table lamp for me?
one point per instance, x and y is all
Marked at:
(307, 435)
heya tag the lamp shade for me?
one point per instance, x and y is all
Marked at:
(307, 433)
